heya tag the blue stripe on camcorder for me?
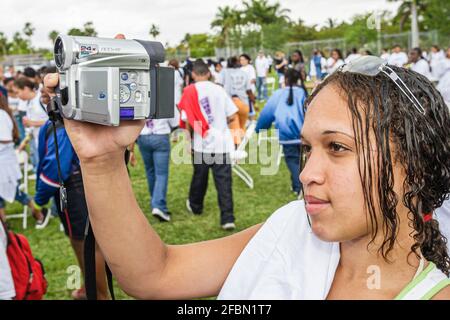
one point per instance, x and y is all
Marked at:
(127, 113)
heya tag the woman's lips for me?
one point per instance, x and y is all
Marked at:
(315, 205)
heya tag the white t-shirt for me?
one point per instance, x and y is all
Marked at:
(385, 56)
(235, 82)
(262, 66)
(285, 260)
(161, 126)
(36, 112)
(333, 67)
(22, 106)
(9, 166)
(398, 59)
(6, 127)
(436, 59)
(251, 72)
(422, 67)
(443, 216)
(444, 87)
(216, 106)
(13, 104)
(282, 259)
(179, 82)
(7, 291)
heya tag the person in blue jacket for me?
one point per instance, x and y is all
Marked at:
(285, 109)
(75, 217)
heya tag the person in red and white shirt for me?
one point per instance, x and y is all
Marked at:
(206, 111)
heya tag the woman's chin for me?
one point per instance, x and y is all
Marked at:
(322, 232)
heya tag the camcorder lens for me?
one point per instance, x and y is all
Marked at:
(59, 53)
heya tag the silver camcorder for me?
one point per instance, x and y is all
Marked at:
(107, 80)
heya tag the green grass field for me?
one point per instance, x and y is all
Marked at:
(251, 207)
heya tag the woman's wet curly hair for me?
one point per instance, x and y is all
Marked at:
(421, 143)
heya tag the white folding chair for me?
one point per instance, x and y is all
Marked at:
(270, 81)
(272, 139)
(23, 161)
(240, 154)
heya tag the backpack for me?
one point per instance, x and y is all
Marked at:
(28, 273)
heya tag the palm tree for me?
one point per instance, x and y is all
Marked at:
(405, 10)
(410, 8)
(154, 31)
(331, 23)
(53, 35)
(260, 13)
(28, 29)
(89, 29)
(3, 44)
(225, 19)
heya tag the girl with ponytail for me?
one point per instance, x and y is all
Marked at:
(285, 109)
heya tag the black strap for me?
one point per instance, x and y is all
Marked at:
(43, 107)
(59, 124)
(90, 280)
(109, 276)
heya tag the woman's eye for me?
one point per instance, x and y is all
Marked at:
(306, 149)
(336, 147)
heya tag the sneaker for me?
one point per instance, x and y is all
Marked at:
(188, 206)
(79, 294)
(41, 224)
(161, 215)
(229, 226)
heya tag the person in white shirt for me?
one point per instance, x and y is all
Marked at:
(36, 113)
(398, 57)
(335, 61)
(418, 63)
(385, 54)
(249, 69)
(238, 86)
(211, 149)
(444, 80)
(179, 79)
(262, 68)
(15, 105)
(7, 290)
(10, 173)
(436, 58)
(218, 68)
(353, 55)
(318, 66)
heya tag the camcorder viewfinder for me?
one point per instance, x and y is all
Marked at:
(105, 81)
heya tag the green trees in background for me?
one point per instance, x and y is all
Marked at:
(267, 24)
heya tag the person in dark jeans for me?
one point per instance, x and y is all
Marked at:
(206, 112)
(285, 109)
(221, 169)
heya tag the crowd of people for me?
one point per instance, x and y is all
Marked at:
(215, 102)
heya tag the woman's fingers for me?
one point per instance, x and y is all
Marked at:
(51, 80)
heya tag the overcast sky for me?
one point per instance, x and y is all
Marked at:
(174, 17)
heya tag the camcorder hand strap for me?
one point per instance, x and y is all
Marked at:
(55, 116)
